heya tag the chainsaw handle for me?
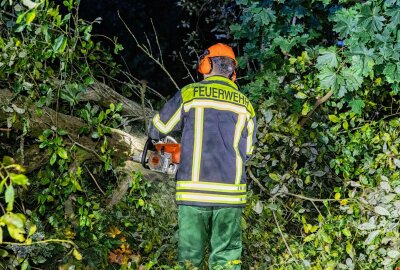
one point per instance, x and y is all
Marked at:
(144, 154)
(170, 139)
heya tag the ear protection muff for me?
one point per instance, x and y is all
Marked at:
(217, 50)
(205, 63)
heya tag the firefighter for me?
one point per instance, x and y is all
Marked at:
(218, 132)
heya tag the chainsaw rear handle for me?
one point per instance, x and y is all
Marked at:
(144, 154)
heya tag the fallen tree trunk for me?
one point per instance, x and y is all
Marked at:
(124, 145)
(103, 95)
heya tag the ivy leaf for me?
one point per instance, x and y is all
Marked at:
(357, 105)
(328, 58)
(392, 72)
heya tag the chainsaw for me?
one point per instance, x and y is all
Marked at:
(161, 156)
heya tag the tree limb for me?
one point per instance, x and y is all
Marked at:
(104, 95)
(316, 104)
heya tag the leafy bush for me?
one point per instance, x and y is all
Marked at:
(324, 180)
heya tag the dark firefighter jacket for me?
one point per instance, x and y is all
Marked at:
(218, 133)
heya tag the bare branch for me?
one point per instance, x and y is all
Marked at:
(316, 104)
(150, 55)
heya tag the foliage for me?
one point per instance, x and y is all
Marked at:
(324, 179)
(325, 173)
(48, 55)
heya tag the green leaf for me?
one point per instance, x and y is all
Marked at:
(346, 125)
(329, 79)
(357, 105)
(371, 237)
(58, 43)
(392, 72)
(77, 255)
(371, 20)
(265, 16)
(328, 58)
(32, 230)
(346, 22)
(16, 233)
(346, 232)
(8, 160)
(352, 78)
(20, 18)
(334, 118)
(300, 95)
(381, 211)
(309, 238)
(62, 153)
(9, 197)
(394, 254)
(349, 249)
(25, 265)
(30, 17)
(274, 176)
(394, 17)
(62, 132)
(112, 106)
(19, 179)
(53, 158)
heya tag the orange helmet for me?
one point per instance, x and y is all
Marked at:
(217, 50)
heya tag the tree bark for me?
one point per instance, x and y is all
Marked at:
(103, 95)
(124, 145)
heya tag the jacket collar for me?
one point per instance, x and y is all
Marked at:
(223, 79)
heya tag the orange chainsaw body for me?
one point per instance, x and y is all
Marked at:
(173, 148)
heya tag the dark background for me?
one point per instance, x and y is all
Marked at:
(166, 16)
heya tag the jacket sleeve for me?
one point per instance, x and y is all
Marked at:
(168, 119)
(251, 136)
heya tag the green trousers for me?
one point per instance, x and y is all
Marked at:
(218, 227)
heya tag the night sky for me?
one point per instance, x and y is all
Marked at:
(166, 17)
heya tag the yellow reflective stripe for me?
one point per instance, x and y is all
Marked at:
(210, 183)
(198, 141)
(211, 198)
(207, 186)
(218, 105)
(238, 132)
(167, 127)
(250, 130)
